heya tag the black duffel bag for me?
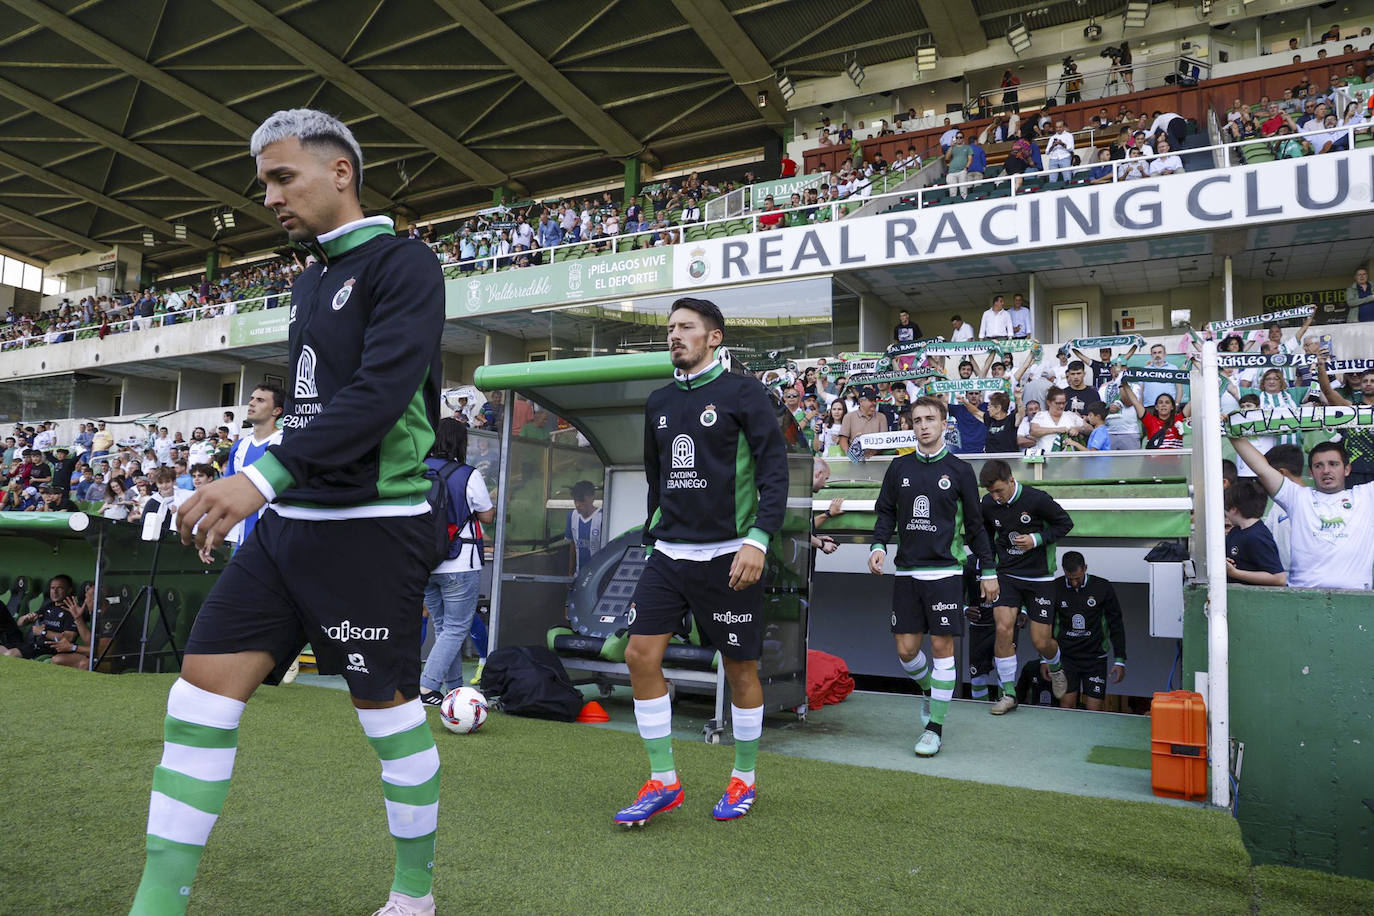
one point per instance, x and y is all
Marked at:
(531, 681)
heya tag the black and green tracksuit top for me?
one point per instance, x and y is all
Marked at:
(715, 461)
(1087, 617)
(1030, 511)
(931, 501)
(363, 400)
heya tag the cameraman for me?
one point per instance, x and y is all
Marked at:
(1070, 82)
(1121, 64)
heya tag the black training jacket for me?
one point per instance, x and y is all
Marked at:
(715, 460)
(931, 501)
(363, 400)
(1085, 617)
(1032, 512)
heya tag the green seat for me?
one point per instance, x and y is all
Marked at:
(1364, 138)
(1257, 152)
(624, 244)
(693, 233)
(737, 227)
(716, 231)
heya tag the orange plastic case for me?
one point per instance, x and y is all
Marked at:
(1178, 745)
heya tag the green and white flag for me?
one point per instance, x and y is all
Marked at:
(886, 442)
(1302, 311)
(908, 375)
(979, 347)
(912, 346)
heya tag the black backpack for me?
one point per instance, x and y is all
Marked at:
(531, 681)
(447, 543)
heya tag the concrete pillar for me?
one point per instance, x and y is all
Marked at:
(197, 389)
(453, 371)
(1042, 322)
(632, 177)
(146, 395)
(212, 265)
(875, 324)
(253, 373)
(502, 348)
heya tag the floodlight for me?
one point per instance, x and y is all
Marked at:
(148, 240)
(926, 57)
(1018, 37)
(1137, 11)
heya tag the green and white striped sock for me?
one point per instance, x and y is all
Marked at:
(402, 738)
(1006, 673)
(918, 669)
(941, 689)
(201, 738)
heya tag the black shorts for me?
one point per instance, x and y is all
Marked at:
(352, 588)
(981, 641)
(933, 606)
(1087, 676)
(668, 590)
(1037, 598)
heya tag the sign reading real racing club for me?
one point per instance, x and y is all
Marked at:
(1281, 191)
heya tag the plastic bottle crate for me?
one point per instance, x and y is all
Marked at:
(1178, 745)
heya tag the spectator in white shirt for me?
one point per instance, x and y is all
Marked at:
(1059, 153)
(962, 331)
(1172, 125)
(1165, 163)
(947, 138)
(996, 320)
(1133, 167)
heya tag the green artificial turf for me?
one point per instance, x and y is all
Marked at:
(1136, 757)
(525, 825)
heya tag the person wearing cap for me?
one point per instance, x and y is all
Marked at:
(54, 500)
(31, 500)
(63, 465)
(867, 419)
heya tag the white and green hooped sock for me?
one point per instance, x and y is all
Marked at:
(941, 691)
(1006, 673)
(410, 784)
(200, 740)
(918, 669)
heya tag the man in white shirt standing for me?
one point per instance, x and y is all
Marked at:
(1332, 525)
(46, 437)
(996, 320)
(1021, 323)
(1059, 153)
(1173, 125)
(962, 330)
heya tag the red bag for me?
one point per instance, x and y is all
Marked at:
(827, 679)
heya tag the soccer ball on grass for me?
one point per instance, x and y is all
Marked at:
(463, 710)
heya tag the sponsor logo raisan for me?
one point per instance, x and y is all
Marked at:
(346, 631)
(729, 617)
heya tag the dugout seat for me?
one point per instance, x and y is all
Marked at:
(599, 611)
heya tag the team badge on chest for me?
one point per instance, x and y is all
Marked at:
(341, 297)
(708, 416)
(944, 483)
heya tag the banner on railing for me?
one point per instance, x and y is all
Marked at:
(630, 273)
(1253, 360)
(263, 326)
(1287, 190)
(1272, 421)
(783, 189)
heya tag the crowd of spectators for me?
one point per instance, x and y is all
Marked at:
(1306, 120)
(1065, 400)
(48, 469)
(169, 303)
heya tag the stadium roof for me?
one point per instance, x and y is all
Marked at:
(118, 117)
